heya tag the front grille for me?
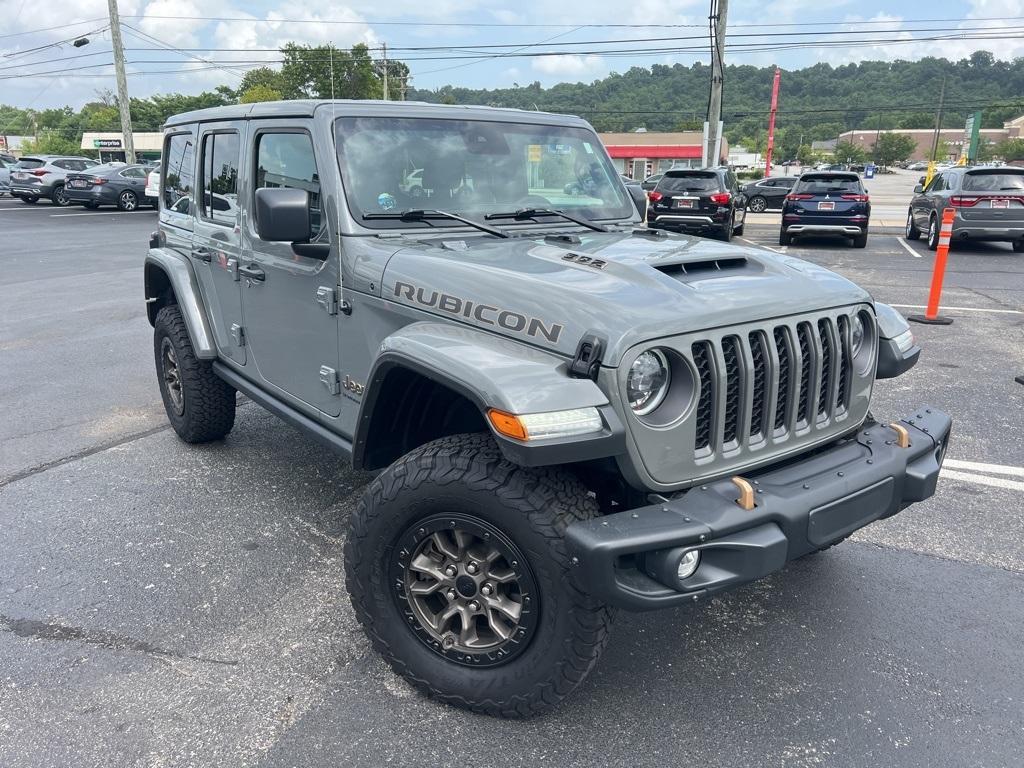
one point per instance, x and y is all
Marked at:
(791, 377)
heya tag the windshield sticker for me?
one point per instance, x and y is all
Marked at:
(586, 146)
(386, 201)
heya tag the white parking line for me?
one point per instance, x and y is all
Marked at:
(777, 250)
(910, 250)
(995, 482)
(92, 213)
(962, 309)
(979, 466)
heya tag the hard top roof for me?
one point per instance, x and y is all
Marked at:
(370, 108)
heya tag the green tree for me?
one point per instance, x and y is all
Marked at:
(891, 147)
(261, 77)
(847, 152)
(1010, 149)
(259, 93)
(323, 71)
(52, 144)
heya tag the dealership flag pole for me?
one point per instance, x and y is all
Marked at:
(122, 83)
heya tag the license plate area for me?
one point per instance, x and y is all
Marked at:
(999, 203)
(79, 183)
(684, 203)
(841, 518)
(826, 205)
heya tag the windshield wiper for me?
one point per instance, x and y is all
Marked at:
(533, 213)
(422, 214)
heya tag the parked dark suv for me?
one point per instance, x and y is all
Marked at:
(989, 205)
(827, 203)
(706, 201)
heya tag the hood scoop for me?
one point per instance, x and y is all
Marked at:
(710, 268)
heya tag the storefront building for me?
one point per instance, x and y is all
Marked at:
(110, 146)
(639, 154)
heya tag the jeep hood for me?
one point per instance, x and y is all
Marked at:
(624, 287)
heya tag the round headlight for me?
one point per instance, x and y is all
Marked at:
(647, 382)
(856, 334)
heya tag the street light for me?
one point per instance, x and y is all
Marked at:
(80, 42)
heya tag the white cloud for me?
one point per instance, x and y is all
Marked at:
(569, 65)
(179, 32)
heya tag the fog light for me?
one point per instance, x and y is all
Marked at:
(688, 564)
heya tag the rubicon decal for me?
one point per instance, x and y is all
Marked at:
(482, 313)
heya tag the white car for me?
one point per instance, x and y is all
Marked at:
(153, 183)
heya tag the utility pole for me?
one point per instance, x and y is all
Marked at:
(938, 119)
(771, 123)
(385, 46)
(122, 83)
(718, 15)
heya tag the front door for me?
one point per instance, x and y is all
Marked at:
(216, 236)
(290, 329)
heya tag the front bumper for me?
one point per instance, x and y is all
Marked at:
(800, 507)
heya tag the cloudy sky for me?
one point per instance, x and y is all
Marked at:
(445, 41)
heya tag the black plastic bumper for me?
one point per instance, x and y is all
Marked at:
(628, 558)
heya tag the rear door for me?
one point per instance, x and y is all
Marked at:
(178, 184)
(824, 199)
(993, 197)
(291, 327)
(216, 239)
(931, 199)
(690, 193)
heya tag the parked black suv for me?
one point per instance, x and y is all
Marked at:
(706, 201)
(827, 203)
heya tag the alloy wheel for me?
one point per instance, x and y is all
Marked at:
(758, 204)
(465, 589)
(60, 196)
(172, 376)
(128, 201)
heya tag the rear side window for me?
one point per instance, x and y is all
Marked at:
(133, 173)
(690, 182)
(220, 177)
(179, 178)
(994, 181)
(287, 160)
(823, 184)
(27, 163)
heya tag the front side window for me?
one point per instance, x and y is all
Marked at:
(287, 160)
(475, 168)
(179, 176)
(220, 178)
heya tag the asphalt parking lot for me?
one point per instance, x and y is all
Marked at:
(166, 605)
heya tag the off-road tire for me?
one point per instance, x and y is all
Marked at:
(757, 204)
(467, 474)
(933, 234)
(784, 237)
(911, 232)
(207, 409)
(58, 196)
(861, 241)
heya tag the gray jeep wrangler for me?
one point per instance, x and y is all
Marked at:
(568, 412)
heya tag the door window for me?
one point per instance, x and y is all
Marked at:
(937, 185)
(179, 173)
(133, 173)
(220, 178)
(287, 160)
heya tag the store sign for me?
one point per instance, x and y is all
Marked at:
(972, 129)
(106, 143)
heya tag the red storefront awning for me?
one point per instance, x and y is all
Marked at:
(653, 151)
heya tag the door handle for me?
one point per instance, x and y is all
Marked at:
(253, 272)
(203, 254)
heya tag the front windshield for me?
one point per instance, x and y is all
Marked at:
(474, 168)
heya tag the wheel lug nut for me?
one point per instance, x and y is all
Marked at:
(471, 568)
(451, 594)
(474, 606)
(450, 571)
(486, 590)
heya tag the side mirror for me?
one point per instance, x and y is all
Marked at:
(282, 216)
(639, 198)
(921, 180)
(918, 189)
